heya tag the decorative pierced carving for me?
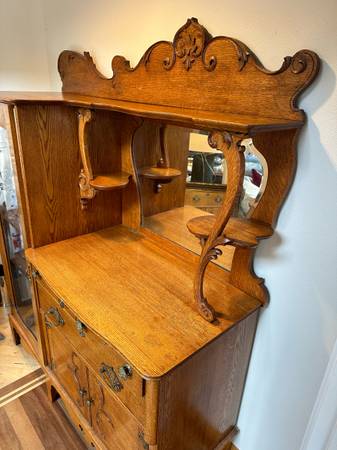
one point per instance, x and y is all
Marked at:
(189, 42)
(192, 50)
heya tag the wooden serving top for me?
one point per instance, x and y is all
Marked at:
(136, 291)
(241, 123)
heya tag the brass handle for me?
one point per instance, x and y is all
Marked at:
(125, 371)
(218, 199)
(82, 392)
(58, 319)
(109, 375)
(195, 198)
(80, 328)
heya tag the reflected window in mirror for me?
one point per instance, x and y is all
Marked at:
(254, 181)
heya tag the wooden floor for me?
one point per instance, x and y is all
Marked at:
(31, 422)
(15, 362)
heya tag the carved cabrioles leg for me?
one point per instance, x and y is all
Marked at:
(230, 145)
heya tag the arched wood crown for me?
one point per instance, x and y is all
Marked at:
(220, 85)
(199, 72)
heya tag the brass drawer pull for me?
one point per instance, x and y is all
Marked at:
(109, 375)
(218, 199)
(125, 371)
(80, 328)
(142, 440)
(58, 319)
(82, 392)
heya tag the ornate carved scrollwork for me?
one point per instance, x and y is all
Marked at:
(231, 147)
(86, 191)
(101, 412)
(189, 43)
(75, 370)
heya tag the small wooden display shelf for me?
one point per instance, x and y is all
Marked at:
(111, 181)
(243, 232)
(164, 174)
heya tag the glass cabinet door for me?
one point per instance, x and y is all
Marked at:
(11, 226)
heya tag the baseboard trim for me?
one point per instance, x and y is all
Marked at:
(321, 430)
(22, 386)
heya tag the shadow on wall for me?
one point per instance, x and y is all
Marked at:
(297, 331)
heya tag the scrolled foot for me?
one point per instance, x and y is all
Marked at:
(206, 310)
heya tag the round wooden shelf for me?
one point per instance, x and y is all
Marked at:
(162, 174)
(107, 182)
(244, 232)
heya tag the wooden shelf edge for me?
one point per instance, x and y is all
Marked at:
(159, 173)
(243, 232)
(190, 117)
(108, 182)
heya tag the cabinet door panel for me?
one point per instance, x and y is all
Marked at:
(69, 370)
(94, 351)
(111, 420)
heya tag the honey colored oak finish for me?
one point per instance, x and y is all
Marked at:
(147, 308)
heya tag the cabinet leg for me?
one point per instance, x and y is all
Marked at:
(52, 393)
(15, 334)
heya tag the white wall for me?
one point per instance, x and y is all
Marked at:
(297, 331)
(23, 50)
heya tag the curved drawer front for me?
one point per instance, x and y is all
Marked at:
(115, 372)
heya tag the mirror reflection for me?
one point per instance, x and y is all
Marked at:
(200, 189)
(13, 238)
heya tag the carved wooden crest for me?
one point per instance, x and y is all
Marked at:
(197, 71)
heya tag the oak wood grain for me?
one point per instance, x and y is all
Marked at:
(93, 350)
(91, 273)
(147, 153)
(172, 225)
(112, 422)
(192, 118)
(219, 74)
(244, 232)
(200, 400)
(51, 164)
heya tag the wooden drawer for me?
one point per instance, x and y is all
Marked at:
(204, 198)
(111, 421)
(115, 372)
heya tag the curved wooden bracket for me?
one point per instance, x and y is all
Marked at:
(231, 147)
(86, 191)
(279, 150)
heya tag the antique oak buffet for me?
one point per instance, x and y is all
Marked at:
(147, 341)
